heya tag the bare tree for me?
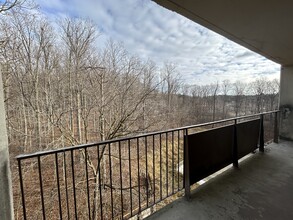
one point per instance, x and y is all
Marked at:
(9, 4)
(258, 88)
(79, 37)
(272, 92)
(26, 52)
(171, 84)
(225, 88)
(214, 89)
(238, 90)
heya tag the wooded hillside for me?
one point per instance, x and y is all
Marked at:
(62, 88)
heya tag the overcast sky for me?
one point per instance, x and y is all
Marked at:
(150, 31)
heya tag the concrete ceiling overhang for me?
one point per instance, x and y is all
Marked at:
(263, 26)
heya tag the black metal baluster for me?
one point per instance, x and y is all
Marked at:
(87, 183)
(154, 175)
(99, 179)
(66, 185)
(178, 157)
(121, 177)
(138, 176)
(111, 187)
(172, 162)
(186, 166)
(21, 189)
(130, 179)
(58, 186)
(167, 159)
(41, 187)
(73, 184)
(161, 193)
(146, 169)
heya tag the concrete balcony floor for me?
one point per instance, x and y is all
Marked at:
(262, 188)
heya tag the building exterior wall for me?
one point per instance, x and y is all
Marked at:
(286, 103)
(6, 205)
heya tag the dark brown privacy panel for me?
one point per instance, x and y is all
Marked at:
(209, 151)
(247, 137)
(212, 150)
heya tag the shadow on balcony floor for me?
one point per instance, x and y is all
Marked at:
(262, 188)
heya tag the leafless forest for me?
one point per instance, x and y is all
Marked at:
(63, 88)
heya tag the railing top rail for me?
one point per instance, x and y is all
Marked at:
(82, 146)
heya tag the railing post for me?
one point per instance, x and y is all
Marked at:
(261, 135)
(235, 146)
(276, 127)
(186, 166)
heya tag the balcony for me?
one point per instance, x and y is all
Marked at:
(71, 182)
(128, 177)
(261, 188)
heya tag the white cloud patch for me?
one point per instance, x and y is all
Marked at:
(150, 31)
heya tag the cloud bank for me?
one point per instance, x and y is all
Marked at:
(153, 32)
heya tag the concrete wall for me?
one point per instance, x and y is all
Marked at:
(6, 205)
(286, 103)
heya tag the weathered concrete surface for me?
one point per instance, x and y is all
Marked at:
(286, 103)
(262, 188)
(6, 206)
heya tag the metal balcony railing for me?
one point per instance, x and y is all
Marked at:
(115, 179)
